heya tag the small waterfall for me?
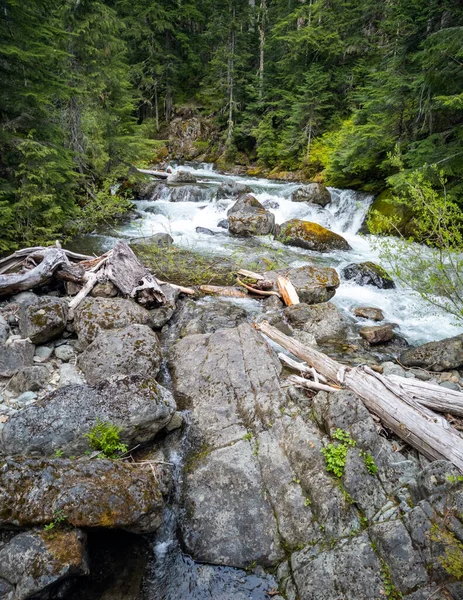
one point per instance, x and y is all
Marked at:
(349, 209)
(184, 193)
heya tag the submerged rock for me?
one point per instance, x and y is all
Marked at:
(138, 406)
(34, 561)
(313, 193)
(436, 356)
(311, 236)
(313, 284)
(98, 314)
(42, 318)
(378, 334)
(133, 350)
(223, 223)
(232, 189)
(369, 312)
(248, 217)
(92, 493)
(368, 273)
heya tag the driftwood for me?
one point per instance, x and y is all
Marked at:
(222, 290)
(301, 367)
(311, 385)
(418, 426)
(250, 274)
(431, 395)
(9, 262)
(52, 259)
(158, 174)
(180, 288)
(256, 291)
(287, 291)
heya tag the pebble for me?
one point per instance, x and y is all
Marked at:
(450, 385)
(421, 375)
(64, 353)
(42, 353)
(26, 398)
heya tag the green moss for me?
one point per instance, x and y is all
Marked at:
(387, 217)
(452, 559)
(195, 459)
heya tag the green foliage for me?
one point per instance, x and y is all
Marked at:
(369, 461)
(58, 453)
(336, 454)
(452, 559)
(105, 438)
(59, 518)
(391, 592)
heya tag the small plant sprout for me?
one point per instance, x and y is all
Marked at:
(336, 454)
(105, 438)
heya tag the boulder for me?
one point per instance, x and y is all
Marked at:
(90, 493)
(69, 374)
(181, 177)
(248, 217)
(368, 273)
(14, 356)
(64, 352)
(104, 290)
(223, 223)
(311, 236)
(30, 379)
(313, 284)
(436, 356)
(34, 561)
(158, 239)
(162, 315)
(139, 406)
(133, 350)
(324, 321)
(42, 318)
(369, 312)
(313, 193)
(232, 189)
(378, 334)
(401, 215)
(205, 231)
(98, 314)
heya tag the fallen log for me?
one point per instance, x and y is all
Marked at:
(418, 426)
(180, 288)
(52, 259)
(287, 291)
(250, 274)
(256, 291)
(222, 290)
(431, 395)
(311, 385)
(158, 174)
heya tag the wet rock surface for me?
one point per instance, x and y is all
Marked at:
(368, 273)
(313, 284)
(311, 236)
(313, 193)
(436, 356)
(248, 217)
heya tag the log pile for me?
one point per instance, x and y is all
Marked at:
(404, 406)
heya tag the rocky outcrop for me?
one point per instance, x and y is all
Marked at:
(98, 314)
(368, 273)
(92, 493)
(138, 406)
(310, 236)
(34, 561)
(232, 189)
(369, 312)
(14, 356)
(133, 350)
(313, 284)
(436, 356)
(42, 318)
(312, 193)
(248, 217)
(323, 321)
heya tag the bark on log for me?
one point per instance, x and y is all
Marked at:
(287, 291)
(415, 424)
(52, 259)
(133, 279)
(222, 290)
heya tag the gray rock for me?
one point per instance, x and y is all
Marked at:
(64, 352)
(33, 561)
(69, 374)
(15, 356)
(42, 353)
(205, 231)
(364, 488)
(450, 385)
(313, 193)
(270, 204)
(129, 351)
(181, 177)
(158, 239)
(350, 571)
(139, 406)
(98, 314)
(42, 319)
(324, 321)
(368, 273)
(273, 303)
(436, 356)
(313, 284)
(93, 493)
(175, 423)
(390, 368)
(395, 547)
(232, 189)
(223, 223)
(26, 398)
(437, 478)
(30, 379)
(104, 290)
(248, 217)
(378, 334)
(369, 312)
(4, 330)
(310, 236)
(162, 315)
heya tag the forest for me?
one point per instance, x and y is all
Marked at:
(356, 94)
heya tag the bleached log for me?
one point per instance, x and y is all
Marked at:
(222, 290)
(159, 174)
(52, 259)
(301, 367)
(431, 395)
(92, 279)
(180, 288)
(250, 274)
(132, 278)
(287, 291)
(256, 291)
(9, 262)
(311, 385)
(417, 425)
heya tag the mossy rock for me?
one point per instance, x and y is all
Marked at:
(384, 206)
(368, 273)
(311, 236)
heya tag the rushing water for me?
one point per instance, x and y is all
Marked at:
(419, 322)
